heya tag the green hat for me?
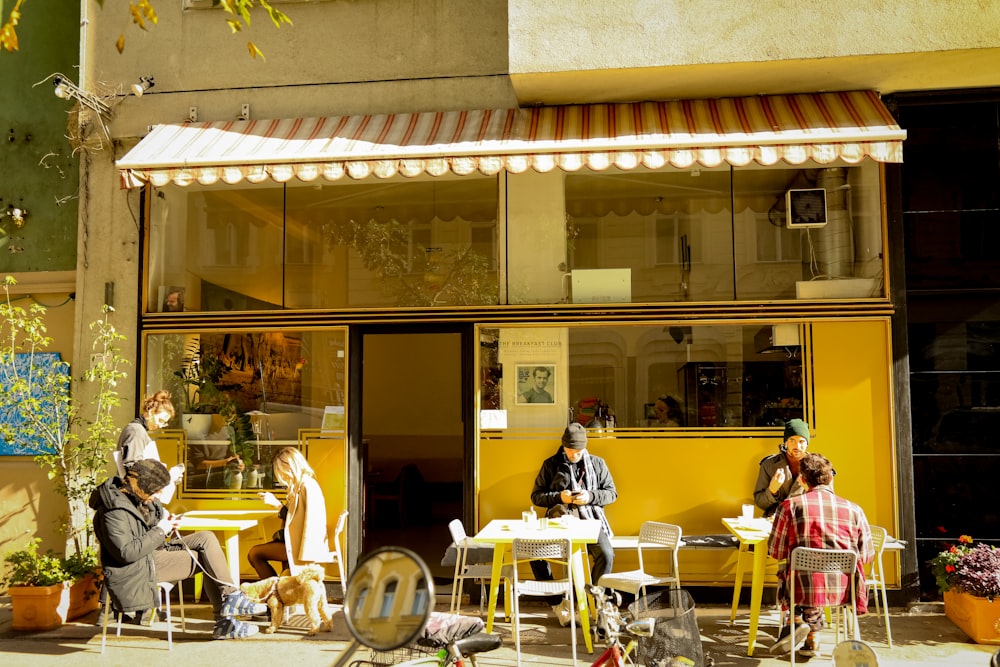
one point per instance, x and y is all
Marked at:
(796, 427)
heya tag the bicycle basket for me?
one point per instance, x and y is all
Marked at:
(394, 657)
(676, 639)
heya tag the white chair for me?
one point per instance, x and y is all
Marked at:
(165, 588)
(557, 551)
(482, 571)
(826, 561)
(875, 579)
(336, 555)
(656, 535)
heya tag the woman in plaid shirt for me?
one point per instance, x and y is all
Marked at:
(818, 519)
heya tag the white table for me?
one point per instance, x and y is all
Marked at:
(501, 533)
(228, 522)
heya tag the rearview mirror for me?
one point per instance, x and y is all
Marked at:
(389, 598)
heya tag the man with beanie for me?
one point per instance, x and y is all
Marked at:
(779, 473)
(140, 547)
(581, 484)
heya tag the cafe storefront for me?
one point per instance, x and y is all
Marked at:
(505, 272)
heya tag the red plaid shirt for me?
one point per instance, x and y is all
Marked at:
(820, 519)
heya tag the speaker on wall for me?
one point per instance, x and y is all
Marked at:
(805, 208)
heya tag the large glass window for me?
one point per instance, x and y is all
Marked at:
(241, 396)
(430, 242)
(726, 234)
(643, 375)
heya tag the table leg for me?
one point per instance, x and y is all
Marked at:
(580, 583)
(233, 554)
(738, 586)
(756, 592)
(491, 610)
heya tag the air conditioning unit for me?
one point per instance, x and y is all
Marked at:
(806, 208)
(776, 338)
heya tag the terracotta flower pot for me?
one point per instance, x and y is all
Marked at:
(84, 596)
(39, 607)
(975, 616)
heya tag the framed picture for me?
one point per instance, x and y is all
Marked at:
(536, 384)
(171, 299)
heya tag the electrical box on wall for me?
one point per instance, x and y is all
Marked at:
(776, 338)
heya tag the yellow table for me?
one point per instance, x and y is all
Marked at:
(755, 534)
(229, 523)
(581, 533)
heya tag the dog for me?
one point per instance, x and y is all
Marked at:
(305, 588)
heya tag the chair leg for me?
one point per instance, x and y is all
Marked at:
(104, 622)
(165, 590)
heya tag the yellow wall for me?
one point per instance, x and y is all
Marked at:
(694, 478)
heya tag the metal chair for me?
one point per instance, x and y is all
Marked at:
(556, 551)
(165, 588)
(482, 571)
(875, 578)
(651, 534)
(823, 561)
(336, 555)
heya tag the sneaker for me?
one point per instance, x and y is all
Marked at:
(563, 612)
(238, 604)
(811, 646)
(230, 628)
(788, 641)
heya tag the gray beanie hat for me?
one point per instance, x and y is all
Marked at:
(575, 436)
(150, 475)
(796, 427)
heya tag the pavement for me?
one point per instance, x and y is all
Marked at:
(922, 635)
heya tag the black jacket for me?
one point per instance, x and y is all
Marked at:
(127, 545)
(556, 474)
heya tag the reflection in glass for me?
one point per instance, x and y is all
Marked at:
(617, 376)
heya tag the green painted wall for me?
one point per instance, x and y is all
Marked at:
(38, 171)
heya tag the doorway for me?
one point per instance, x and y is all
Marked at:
(413, 440)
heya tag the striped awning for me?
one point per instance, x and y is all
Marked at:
(822, 127)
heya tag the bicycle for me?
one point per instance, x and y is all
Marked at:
(612, 624)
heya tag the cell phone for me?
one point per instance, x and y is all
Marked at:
(576, 493)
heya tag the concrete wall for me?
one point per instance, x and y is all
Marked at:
(579, 50)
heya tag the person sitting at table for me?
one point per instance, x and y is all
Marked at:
(778, 477)
(140, 547)
(576, 481)
(134, 443)
(817, 519)
(303, 517)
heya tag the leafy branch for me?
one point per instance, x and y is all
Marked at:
(43, 417)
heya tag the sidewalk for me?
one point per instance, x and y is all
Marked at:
(922, 636)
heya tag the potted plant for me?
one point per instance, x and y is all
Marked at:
(199, 390)
(84, 571)
(65, 422)
(38, 586)
(969, 579)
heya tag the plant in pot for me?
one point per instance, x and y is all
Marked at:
(969, 579)
(65, 422)
(199, 390)
(38, 586)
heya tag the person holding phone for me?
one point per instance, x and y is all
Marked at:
(778, 477)
(139, 547)
(574, 481)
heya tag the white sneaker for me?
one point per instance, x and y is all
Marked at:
(563, 612)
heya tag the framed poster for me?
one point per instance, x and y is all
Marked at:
(535, 384)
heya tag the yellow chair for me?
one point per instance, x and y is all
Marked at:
(875, 579)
